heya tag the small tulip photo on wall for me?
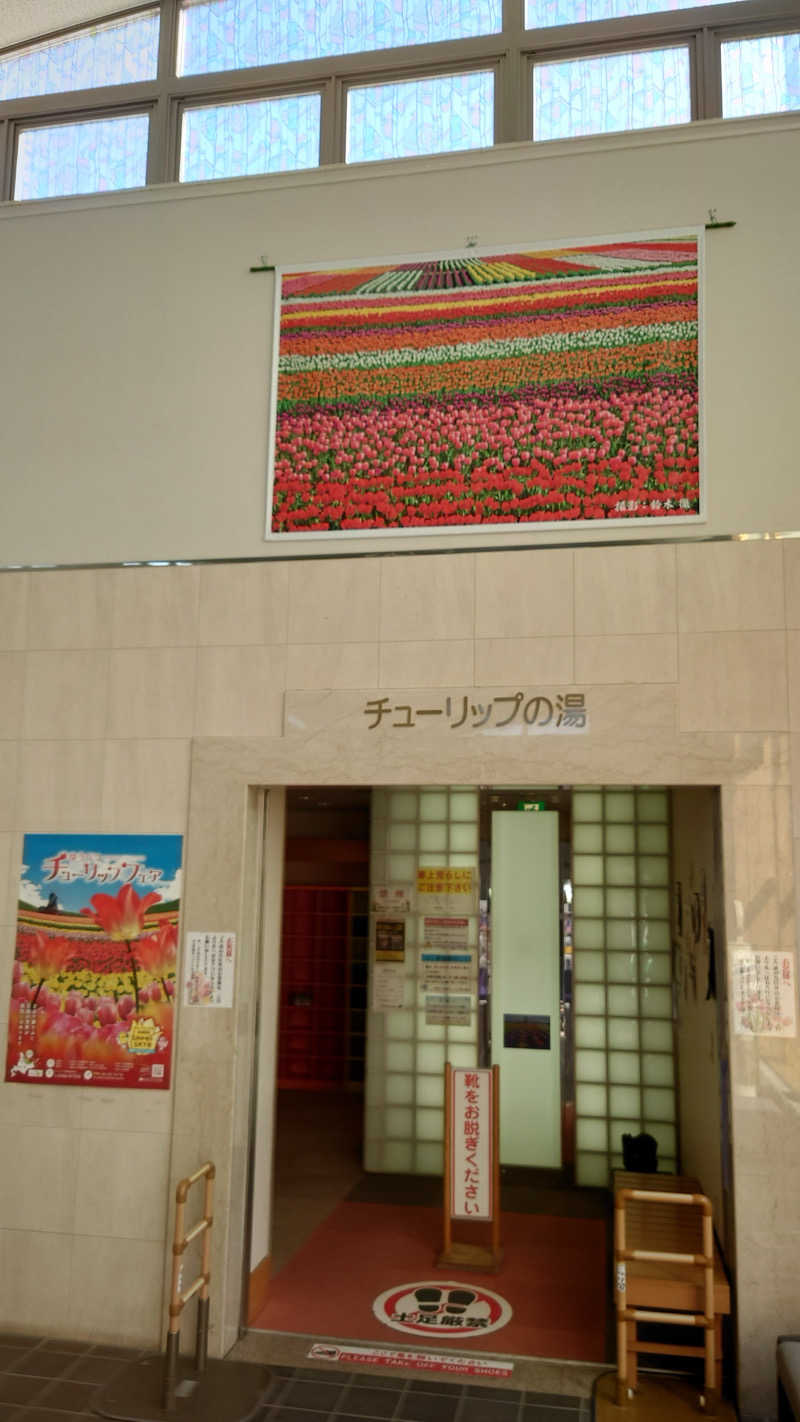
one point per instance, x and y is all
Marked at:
(93, 978)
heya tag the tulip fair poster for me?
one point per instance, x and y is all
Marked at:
(93, 987)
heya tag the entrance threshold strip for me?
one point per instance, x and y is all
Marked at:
(351, 1354)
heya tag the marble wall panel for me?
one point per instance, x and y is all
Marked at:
(14, 589)
(70, 608)
(730, 587)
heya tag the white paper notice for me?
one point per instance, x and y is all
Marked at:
(763, 993)
(388, 981)
(209, 969)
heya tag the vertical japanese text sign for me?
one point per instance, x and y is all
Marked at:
(472, 1134)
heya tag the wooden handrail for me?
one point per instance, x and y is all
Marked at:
(179, 1296)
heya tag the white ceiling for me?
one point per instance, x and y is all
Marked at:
(27, 19)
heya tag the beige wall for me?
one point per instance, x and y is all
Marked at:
(133, 396)
(690, 660)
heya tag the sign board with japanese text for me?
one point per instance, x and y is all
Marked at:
(488, 391)
(391, 899)
(471, 1137)
(93, 986)
(388, 986)
(209, 969)
(444, 891)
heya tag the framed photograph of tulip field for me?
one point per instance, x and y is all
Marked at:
(94, 972)
(489, 389)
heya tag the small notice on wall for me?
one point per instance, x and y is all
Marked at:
(445, 891)
(390, 940)
(446, 1009)
(388, 985)
(763, 993)
(447, 934)
(392, 898)
(209, 969)
(447, 972)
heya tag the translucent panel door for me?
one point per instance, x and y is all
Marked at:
(624, 1057)
(526, 985)
(408, 1045)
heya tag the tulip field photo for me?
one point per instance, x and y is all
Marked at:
(488, 389)
(94, 972)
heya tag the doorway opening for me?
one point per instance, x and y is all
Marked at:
(358, 1148)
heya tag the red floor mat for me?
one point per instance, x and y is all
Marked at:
(553, 1275)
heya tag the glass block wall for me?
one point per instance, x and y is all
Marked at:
(404, 1105)
(624, 1060)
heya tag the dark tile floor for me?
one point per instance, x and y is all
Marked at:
(48, 1380)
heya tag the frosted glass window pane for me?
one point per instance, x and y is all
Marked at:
(430, 1090)
(430, 1159)
(622, 1034)
(620, 934)
(623, 1001)
(430, 1125)
(398, 1157)
(402, 868)
(656, 1002)
(539, 14)
(590, 1032)
(433, 838)
(373, 1124)
(653, 839)
(402, 805)
(659, 1104)
(587, 869)
(464, 805)
(587, 839)
(665, 1137)
(657, 1070)
(464, 837)
(590, 1066)
(380, 801)
(465, 1055)
(235, 34)
(591, 1100)
(591, 1170)
(621, 903)
(620, 839)
(588, 933)
(463, 1034)
(258, 136)
(590, 1135)
(655, 935)
(623, 967)
(623, 1067)
(589, 967)
(399, 1089)
(620, 869)
(119, 52)
(588, 903)
(430, 1057)
(433, 805)
(761, 76)
(431, 861)
(655, 968)
(399, 1024)
(399, 1122)
(657, 1037)
(402, 836)
(373, 1156)
(652, 805)
(399, 1056)
(653, 869)
(590, 999)
(587, 805)
(95, 156)
(619, 806)
(620, 1127)
(463, 861)
(429, 1033)
(624, 1100)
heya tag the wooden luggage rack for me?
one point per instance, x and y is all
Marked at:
(179, 1296)
(657, 1245)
